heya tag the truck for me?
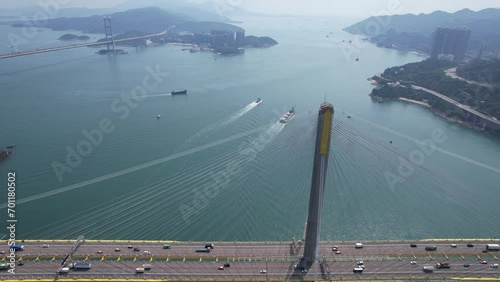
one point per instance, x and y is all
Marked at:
(443, 265)
(428, 268)
(80, 265)
(492, 247)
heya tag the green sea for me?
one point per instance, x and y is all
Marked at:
(216, 166)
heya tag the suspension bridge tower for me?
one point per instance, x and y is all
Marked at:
(322, 149)
(108, 30)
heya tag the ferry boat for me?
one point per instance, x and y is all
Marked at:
(258, 101)
(179, 92)
(288, 116)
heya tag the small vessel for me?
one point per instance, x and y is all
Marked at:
(158, 116)
(288, 116)
(348, 116)
(357, 59)
(258, 101)
(179, 92)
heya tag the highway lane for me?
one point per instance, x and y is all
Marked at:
(462, 106)
(260, 250)
(247, 270)
(383, 259)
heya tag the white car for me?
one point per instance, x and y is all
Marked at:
(494, 265)
(359, 262)
(147, 253)
(45, 245)
(413, 262)
(263, 271)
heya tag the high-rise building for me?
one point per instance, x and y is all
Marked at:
(450, 41)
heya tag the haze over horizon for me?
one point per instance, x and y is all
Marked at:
(354, 9)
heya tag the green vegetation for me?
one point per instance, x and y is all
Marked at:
(69, 36)
(228, 50)
(259, 42)
(396, 83)
(481, 71)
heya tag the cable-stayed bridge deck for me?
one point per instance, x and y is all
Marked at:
(384, 260)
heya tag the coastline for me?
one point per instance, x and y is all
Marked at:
(437, 112)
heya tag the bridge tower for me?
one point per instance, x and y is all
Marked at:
(108, 30)
(322, 149)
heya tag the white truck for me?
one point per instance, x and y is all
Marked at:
(492, 247)
(428, 268)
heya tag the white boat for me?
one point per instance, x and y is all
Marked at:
(158, 116)
(258, 101)
(288, 116)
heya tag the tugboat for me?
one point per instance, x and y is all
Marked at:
(258, 101)
(179, 92)
(5, 154)
(288, 116)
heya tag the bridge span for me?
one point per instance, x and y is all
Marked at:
(253, 261)
(53, 49)
(39, 260)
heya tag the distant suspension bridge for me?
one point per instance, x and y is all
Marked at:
(110, 42)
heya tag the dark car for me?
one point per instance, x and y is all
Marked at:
(466, 265)
(413, 245)
(227, 265)
(470, 245)
(136, 249)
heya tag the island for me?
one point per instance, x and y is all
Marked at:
(259, 42)
(173, 28)
(415, 33)
(438, 85)
(70, 37)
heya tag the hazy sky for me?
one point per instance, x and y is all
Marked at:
(352, 8)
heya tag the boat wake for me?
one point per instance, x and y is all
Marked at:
(226, 121)
(238, 114)
(266, 137)
(160, 95)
